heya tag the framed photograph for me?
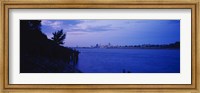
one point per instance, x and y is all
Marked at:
(111, 46)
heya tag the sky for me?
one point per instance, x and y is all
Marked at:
(86, 33)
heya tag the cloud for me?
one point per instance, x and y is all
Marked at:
(76, 33)
(119, 32)
(100, 25)
(85, 25)
(93, 26)
(53, 24)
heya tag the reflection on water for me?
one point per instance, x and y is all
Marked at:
(129, 60)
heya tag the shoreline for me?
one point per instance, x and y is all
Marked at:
(131, 48)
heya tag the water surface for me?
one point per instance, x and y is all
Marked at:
(99, 60)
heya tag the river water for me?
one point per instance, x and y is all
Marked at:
(99, 60)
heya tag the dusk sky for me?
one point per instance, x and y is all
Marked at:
(84, 33)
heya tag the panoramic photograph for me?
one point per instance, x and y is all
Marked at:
(100, 46)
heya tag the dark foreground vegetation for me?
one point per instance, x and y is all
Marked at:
(38, 54)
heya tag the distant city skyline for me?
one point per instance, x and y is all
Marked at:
(86, 33)
(174, 45)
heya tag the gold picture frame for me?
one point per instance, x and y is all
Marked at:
(105, 88)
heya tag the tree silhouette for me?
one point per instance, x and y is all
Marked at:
(58, 37)
(30, 25)
(38, 54)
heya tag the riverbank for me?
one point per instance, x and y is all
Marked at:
(38, 54)
(29, 64)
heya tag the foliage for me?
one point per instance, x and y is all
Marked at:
(58, 37)
(38, 54)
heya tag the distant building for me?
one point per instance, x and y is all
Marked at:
(109, 45)
(97, 46)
